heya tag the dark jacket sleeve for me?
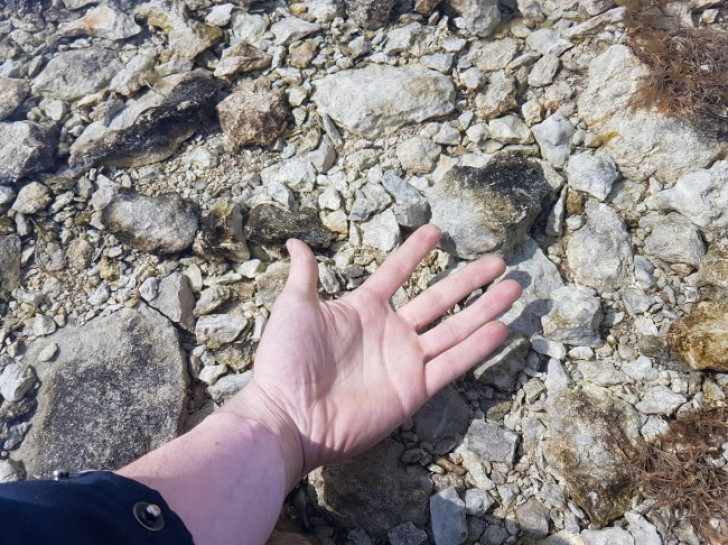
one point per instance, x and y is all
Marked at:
(89, 508)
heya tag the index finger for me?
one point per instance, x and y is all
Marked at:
(399, 266)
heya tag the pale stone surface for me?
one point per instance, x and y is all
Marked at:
(104, 21)
(9, 263)
(26, 148)
(641, 142)
(574, 318)
(76, 73)
(701, 338)
(12, 93)
(490, 442)
(32, 198)
(479, 16)
(593, 174)
(607, 536)
(673, 239)
(447, 517)
(382, 232)
(378, 100)
(116, 390)
(553, 136)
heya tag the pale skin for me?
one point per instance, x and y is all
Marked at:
(331, 378)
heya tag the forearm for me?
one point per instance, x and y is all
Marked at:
(226, 479)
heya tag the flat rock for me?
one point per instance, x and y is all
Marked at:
(253, 116)
(370, 14)
(607, 536)
(700, 196)
(187, 37)
(9, 263)
(502, 367)
(241, 58)
(539, 278)
(574, 318)
(642, 143)
(592, 436)
(411, 208)
(447, 517)
(490, 442)
(26, 148)
(32, 198)
(165, 224)
(103, 21)
(151, 128)
(76, 73)
(12, 94)
(116, 390)
(592, 174)
(175, 300)
(714, 266)
(533, 518)
(553, 136)
(446, 414)
(480, 17)
(660, 400)
(379, 99)
(375, 490)
(481, 210)
(271, 224)
(674, 239)
(600, 253)
(701, 338)
(382, 232)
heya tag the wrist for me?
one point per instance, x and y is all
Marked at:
(253, 404)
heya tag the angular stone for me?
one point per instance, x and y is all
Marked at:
(480, 17)
(592, 437)
(291, 29)
(9, 264)
(215, 330)
(481, 210)
(539, 278)
(411, 208)
(151, 128)
(447, 517)
(553, 137)
(608, 536)
(701, 338)
(175, 300)
(548, 41)
(418, 155)
(254, 116)
(493, 55)
(592, 174)
(270, 224)
(103, 21)
(76, 73)
(116, 390)
(714, 266)
(12, 95)
(501, 368)
(187, 37)
(32, 198)
(643, 532)
(16, 380)
(375, 490)
(241, 58)
(165, 224)
(533, 518)
(379, 99)
(490, 442)
(446, 414)
(370, 199)
(700, 196)
(673, 239)
(574, 318)
(660, 400)
(600, 253)
(221, 234)
(382, 232)
(641, 142)
(370, 14)
(407, 534)
(26, 148)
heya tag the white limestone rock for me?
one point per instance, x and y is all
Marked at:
(574, 318)
(592, 174)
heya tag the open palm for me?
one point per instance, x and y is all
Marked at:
(341, 375)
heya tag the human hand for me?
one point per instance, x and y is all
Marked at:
(333, 378)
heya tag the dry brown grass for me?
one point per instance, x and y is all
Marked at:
(678, 473)
(688, 66)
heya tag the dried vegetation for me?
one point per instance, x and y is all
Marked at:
(681, 472)
(688, 65)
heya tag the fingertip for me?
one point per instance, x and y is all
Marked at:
(432, 231)
(514, 287)
(498, 330)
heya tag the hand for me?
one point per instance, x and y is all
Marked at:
(333, 378)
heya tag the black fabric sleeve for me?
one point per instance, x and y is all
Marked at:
(90, 508)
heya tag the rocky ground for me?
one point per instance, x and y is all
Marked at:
(155, 156)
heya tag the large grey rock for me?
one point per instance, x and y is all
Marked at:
(643, 532)
(152, 127)
(115, 390)
(382, 232)
(593, 174)
(379, 99)
(187, 37)
(9, 263)
(32, 198)
(673, 239)
(714, 265)
(592, 437)
(175, 300)
(533, 518)
(492, 443)
(26, 148)
(553, 136)
(447, 517)
(253, 116)
(271, 224)
(369, 14)
(660, 400)
(446, 414)
(75, 73)
(539, 278)
(165, 224)
(16, 380)
(607, 536)
(501, 369)
(641, 142)
(574, 317)
(480, 17)
(481, 210)
(700, 196)
(701, 338)
(600, 253)
(411, 208)
(375, 490)
(240, 58)
(12, 95)
(105, 21)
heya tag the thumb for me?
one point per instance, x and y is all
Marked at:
(303, 277)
